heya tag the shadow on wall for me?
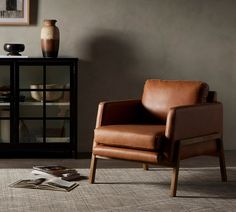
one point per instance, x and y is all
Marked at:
(107, 76)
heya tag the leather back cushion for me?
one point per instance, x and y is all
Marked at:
(160, 95)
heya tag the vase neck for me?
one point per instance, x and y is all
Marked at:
(49, 22)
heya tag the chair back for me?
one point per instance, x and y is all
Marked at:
(160, 95)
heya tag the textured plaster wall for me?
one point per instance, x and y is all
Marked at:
(121, 43)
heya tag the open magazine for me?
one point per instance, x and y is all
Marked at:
(54, 183)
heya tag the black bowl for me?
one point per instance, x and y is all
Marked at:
(14, 48)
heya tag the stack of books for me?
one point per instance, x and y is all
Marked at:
(52, 177)
(5, 94)
(57, 171)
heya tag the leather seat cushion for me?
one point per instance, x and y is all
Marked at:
(143, 137)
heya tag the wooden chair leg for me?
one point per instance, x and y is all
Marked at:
(93, 166)
(175, 174)
(222, 162)
(145, 166)
(174, 180)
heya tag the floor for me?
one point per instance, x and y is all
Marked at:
(204, 161)
(126, 188)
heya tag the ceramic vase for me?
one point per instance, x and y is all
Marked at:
(50, 38)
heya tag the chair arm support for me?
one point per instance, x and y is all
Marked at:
(194, 120)
(118, 112)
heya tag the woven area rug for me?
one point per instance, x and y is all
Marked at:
(199, 189)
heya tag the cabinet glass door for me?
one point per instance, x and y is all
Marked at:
(31, 79)
(46, 93)
(5, 103)
(58, 76)
(58, 104)
(30, 76)
(30, 131)
(30, 91)
(57, 131)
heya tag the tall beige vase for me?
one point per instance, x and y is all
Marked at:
(50, 38)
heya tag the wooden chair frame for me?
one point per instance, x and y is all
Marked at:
(177, 157)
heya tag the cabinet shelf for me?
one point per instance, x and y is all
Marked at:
(47, 103)
(4, 103)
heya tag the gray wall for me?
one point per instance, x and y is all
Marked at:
(121, 43)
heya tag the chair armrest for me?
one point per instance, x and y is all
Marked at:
(194, 120)
(119, 112)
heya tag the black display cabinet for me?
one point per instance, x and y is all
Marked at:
(38, 107)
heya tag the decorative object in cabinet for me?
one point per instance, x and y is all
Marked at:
(50, 96)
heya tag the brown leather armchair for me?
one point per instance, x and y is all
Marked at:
(174, 120)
